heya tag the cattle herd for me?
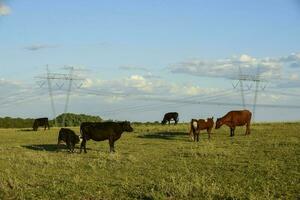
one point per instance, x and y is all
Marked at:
(112, 131)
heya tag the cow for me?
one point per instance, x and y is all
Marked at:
(197, 125)
(235, 118)
(40, 122)
(99, 131)
(69, 137)
(170, 116)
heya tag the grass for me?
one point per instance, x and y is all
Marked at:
(154, 162)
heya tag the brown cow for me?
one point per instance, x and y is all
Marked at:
(201, 124)
(235, 118)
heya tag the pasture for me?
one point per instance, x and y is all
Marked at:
(154, 162)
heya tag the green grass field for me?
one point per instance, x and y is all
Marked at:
(155, 162)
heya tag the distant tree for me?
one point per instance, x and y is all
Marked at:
(72, 119)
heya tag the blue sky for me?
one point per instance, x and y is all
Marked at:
(160, 48)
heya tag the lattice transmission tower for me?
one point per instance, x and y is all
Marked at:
(69, 77)
(249, 80)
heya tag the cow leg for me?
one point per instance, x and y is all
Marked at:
(83, 145)
(72, 147)
(191, 135)
(69, 145)
(111, 145)
(231, 132)
(208, 132)
(248, 128)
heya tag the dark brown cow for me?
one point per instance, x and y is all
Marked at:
(99, 131)
(235, 118)
(41, 122)
(170, 116)
(201, 124)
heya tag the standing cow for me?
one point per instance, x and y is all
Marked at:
(69, 137)
(235, 118)
(99, 131)
(170, 116)
(41, 122)
(200, 124)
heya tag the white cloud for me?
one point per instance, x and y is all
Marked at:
(4, 9)
(246, 58)
(87, 83)
(228, 68)
(294, 77)
(270, 69)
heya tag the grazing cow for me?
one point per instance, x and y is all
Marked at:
(99, 131)
(170, 116)
(40, 122)
(69, 137)
(235, 118)
(200, 124)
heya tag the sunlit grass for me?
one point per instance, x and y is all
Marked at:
(154, 162)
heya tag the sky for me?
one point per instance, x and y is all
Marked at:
(140, 59)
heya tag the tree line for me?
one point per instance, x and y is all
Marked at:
(71, 119)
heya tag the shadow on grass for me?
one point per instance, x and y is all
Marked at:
(44, 147)
(164, 135)
(25, 130)
(48, 147)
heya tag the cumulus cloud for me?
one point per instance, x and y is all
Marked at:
(137, 86)
(292, 60)
(229, 68)
(4, 9)
(37, 47)
(269, 69)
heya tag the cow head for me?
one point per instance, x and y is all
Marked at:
(126, 126)
(219, 123)
(164, 121)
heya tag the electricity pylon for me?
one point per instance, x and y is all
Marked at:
(70, 77)
(242, 78)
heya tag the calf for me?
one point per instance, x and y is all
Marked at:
(201, 124)
(69, 137)
(99, 131)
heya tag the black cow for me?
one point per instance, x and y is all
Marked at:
(69, 137)
(170, 116)
(99, 131)
(41, 122)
